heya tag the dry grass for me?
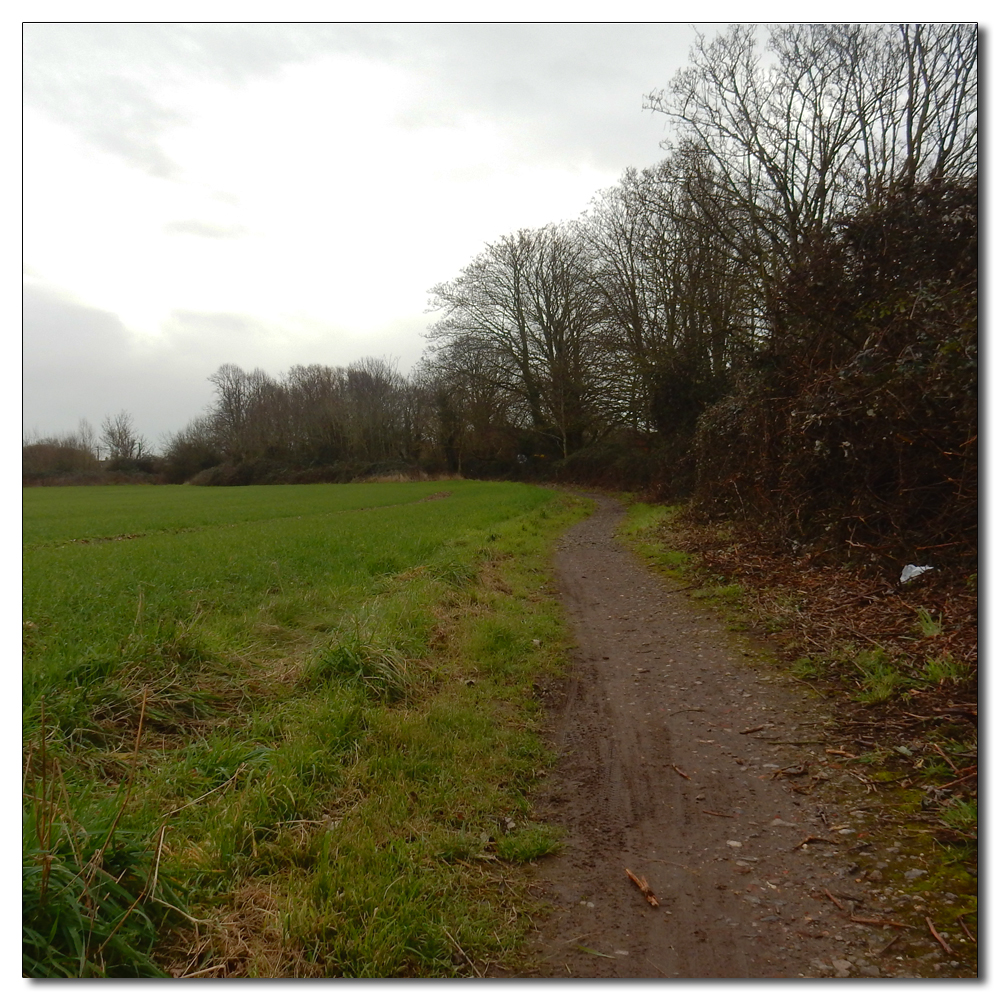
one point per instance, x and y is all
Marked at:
(243, 940)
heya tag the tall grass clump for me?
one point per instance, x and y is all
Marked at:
(92, 889)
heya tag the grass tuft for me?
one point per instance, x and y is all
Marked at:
(928, 624)
(945, 670)
(379, 671)
(880, 678)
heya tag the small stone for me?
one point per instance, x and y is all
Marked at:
(735, 843)
(914, 873)
(842, 967)
(870, 971)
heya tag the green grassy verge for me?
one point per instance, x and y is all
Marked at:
(290, 732)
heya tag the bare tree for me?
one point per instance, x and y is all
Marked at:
(376, 419)
(823, 118)
(119, 436)
(86, 438)
(523, 308)
(940, 101)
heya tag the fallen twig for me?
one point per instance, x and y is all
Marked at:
(968, 933)
(889, 945)
(965, 777)
(755, 729)
(792, 771)
(202, 972)
(948, 760)
(643, 888)
(187, 916)
(789, 743)
(594, 951)
(479, 975)
(836, 902)
(712, 812)
(655, 966)
(881, 922)
(212, 791)
(948, 950)
(680, 772)
(873, 781)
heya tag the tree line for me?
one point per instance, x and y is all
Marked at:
(118, 448)
(780, 316)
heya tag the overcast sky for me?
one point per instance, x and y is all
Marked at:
(271, 195)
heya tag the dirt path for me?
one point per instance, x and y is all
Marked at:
(680, 761)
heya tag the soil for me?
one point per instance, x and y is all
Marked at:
(687, 758)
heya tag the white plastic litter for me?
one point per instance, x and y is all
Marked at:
(910, 572)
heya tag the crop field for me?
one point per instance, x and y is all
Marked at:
(284, 731)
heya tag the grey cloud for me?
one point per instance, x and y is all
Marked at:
(565, 91)
(228, 337)
(211, 230)
(205, 340)
(60, 331)
(93, 90)
(560, 88)
(79, 361)
(92, 77)
(121, 117)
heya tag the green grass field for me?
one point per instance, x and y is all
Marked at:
(283, 731)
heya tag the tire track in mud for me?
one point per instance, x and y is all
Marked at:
(654, 775)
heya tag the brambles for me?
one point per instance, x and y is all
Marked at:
(855, 431)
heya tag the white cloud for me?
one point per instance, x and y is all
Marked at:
(208, 230)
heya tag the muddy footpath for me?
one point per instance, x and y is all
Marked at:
(707, 832)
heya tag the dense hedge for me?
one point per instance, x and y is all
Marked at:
(858, 425)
